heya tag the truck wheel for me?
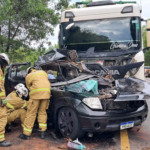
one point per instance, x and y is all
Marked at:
(68, 123)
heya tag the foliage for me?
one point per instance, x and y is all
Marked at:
(147, 54)
(147, 58)
(25, 55)
(144, 36)
(72, 6)
(62, 4)
(79, 6)
(24, 21)
(56, 46)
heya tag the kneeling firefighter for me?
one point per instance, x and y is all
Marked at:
(39, 86)
(16, 103)
(4, 61)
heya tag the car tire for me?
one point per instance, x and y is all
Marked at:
(68, 124)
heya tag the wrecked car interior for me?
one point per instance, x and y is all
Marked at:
(101, 97)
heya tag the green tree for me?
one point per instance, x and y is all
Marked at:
(56, 46)
(62, 4)
(147, 58)
(24, 21)
(144, 36)
(147, 54)
(25, 55)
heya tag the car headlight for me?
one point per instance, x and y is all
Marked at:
(93, 102)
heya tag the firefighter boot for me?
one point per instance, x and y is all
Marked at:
(42, 135)
(24, 137)
(5, 144)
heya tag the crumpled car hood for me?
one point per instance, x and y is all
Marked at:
(131, 89)
(49, 57)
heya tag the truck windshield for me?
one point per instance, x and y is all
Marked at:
(104, 35)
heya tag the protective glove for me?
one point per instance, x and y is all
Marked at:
(4, 102)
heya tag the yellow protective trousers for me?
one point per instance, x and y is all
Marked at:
(3, 122)
(18, 113)
(36, 106)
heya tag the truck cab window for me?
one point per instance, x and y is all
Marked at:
(105, 34)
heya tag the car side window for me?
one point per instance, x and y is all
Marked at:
(18, 72)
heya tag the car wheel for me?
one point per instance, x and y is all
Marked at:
(68, 123)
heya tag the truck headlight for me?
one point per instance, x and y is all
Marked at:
(93, 102)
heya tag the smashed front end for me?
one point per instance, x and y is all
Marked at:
(105, 98)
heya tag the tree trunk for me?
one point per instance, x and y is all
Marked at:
(8, 43)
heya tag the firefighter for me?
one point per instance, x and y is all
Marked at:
(39, 86)
(16, 103)
(4, 61)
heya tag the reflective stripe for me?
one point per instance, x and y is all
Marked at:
(24, 105)
(41, 89)
(1, 78)
(42, 125)
(2, 136)
(2, 93)
(38, 73)
(9, 105)
(4, 102)
(24, 128)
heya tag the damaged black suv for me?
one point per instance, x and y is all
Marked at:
(87, 97)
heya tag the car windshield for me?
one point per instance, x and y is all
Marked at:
(104, 35)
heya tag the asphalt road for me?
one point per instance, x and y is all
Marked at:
(130, 139)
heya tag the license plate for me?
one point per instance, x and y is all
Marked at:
(126, 125)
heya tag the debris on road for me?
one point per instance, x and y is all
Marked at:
(76, 145)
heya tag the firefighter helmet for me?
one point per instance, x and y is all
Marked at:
(29, 69)
(5, 59)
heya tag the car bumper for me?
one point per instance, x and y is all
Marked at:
(103, 121)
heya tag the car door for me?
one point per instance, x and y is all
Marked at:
(15, 74)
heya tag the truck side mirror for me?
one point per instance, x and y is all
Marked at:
(148, 33)
(69, 26)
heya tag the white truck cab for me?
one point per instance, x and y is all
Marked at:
(105, 32)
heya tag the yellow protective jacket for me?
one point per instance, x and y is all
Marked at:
(38, 84)
(15, 102)
(2, 89)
